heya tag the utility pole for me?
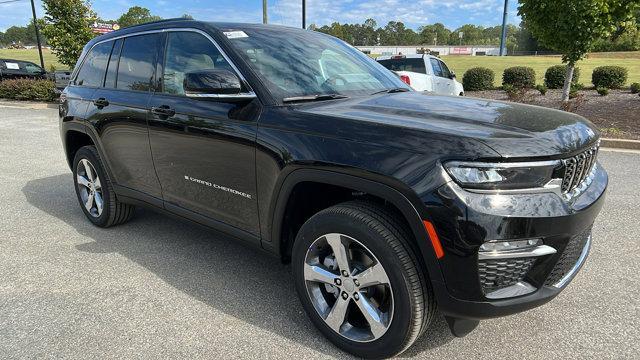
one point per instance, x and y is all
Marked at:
(503, 40)
(264, 11)
(304, 14)
(35, 25)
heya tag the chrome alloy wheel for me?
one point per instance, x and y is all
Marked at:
(89, 188)
(348, 287)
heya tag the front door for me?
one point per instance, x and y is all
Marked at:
(203, 149)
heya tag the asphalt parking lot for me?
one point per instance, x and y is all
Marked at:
(161, 288)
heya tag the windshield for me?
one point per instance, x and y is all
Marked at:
(294, 63)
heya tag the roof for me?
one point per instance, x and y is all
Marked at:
(407, 56)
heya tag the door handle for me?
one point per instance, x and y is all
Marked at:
(163, 110)
(101, 102)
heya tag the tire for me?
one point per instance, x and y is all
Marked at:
(362, 226)
(112, 212)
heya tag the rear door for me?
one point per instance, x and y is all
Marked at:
(439, 86)
(119, 109)
(203, 149)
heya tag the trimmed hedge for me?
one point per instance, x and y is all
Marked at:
(28, 89)
(478, 79)
(610, 77)
(522, 77)
(554, 77)
(635, 88)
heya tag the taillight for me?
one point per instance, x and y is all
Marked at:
(405, 79)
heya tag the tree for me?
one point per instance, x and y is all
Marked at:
(67, 28)
(136, 15)
(572, 27)
(434, 34)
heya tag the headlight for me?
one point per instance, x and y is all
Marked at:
(503, 176)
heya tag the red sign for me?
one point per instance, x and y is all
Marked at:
(103, 28)
(461, 51)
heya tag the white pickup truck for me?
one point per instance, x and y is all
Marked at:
(423, 73)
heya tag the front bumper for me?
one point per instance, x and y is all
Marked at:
(466, 220)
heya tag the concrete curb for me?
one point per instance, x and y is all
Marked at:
(28, 104)
(620, 144)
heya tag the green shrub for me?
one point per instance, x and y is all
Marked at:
(27, 89)
(554, 77)
(542, 89)
(611, 77)
(520, 77)
(478, 79)
(577, 86)
(603, 91)
(635, 88)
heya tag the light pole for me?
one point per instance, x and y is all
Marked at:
(35, 25)
(304, 14)
(503, 40)
(264, 11)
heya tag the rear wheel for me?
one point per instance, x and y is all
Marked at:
(359, 280)
(95, 191)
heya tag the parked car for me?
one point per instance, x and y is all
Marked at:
(60, 78)
(12, 69)
(390, 204)
(424, 73)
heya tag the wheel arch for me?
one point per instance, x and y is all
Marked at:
(280, 242)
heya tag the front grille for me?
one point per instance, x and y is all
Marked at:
(568, 258)
(498, 274)
(578, 168)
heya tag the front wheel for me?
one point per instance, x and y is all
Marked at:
(359, 281)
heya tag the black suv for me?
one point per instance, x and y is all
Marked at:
(389, 203)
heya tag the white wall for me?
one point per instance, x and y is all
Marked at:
(443, 50)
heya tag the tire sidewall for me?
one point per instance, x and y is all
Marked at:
(394, 340)
(89, 153)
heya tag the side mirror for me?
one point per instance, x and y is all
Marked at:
(453, 75)
(214, 83)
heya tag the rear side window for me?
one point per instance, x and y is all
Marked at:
(437, 70)
(188, 52)
(112, 69)
(137, 62)
(94, 66)
(407, 64)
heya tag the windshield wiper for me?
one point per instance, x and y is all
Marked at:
(317, 97)
(392, 90)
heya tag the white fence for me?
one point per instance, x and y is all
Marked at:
(440, 50)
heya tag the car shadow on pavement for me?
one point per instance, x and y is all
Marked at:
(210, 267)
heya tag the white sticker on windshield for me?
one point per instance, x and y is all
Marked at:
(12, 66)
(235, 34)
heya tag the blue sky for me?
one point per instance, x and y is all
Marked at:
(288, 12)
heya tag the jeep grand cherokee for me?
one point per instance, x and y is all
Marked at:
(389, 203)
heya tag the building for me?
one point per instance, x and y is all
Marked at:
(474, 50)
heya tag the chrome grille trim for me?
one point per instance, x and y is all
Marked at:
(578, 169)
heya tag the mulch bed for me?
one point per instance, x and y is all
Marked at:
(617, 115)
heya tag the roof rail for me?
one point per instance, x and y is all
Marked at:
(158, 22)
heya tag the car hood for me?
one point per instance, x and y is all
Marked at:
(510, 129)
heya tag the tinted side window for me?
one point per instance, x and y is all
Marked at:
(435, 64)
(137, 62)
(407, 64)
(112, 68)
(94, 66)
(445, 70)
(187, 52)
